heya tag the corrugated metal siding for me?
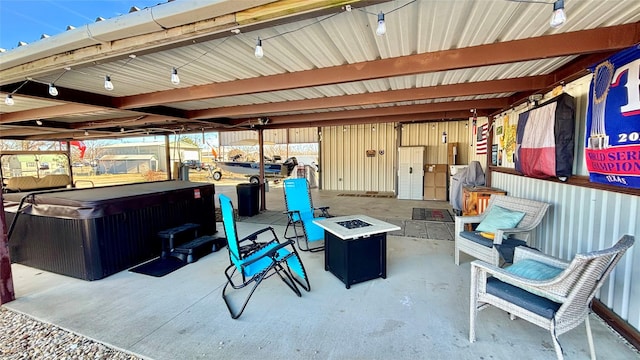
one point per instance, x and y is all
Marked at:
(275, 136)
(303, 135)
(582, 220)
(430, 135)
(344, 164)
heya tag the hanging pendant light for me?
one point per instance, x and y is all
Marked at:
(107, 83)
(558, 18)
(259, 53)
(382, 27)
(175, 79)
(53, 91)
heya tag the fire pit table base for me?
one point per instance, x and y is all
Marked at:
(356, 260)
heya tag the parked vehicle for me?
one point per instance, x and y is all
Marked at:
(194, 164)
(251, 169)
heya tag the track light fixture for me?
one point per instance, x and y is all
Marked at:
(382, 27)
(108, 85)
(86, 133)
(259, 53)
(53, 91)
(175, 79)
(558, 18)
(9, 100)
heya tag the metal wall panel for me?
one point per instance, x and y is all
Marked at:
(272, 136)
(429, 134)
(581, 220)
(302, 135)
(345, 165)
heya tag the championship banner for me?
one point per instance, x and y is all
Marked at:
(612, 145)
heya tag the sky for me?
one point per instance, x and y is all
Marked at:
(27, 20)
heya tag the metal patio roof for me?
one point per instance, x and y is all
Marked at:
(323, 65)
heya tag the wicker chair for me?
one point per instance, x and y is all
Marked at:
(472, 243)
(558, 302)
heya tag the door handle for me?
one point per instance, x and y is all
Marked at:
(410, 170)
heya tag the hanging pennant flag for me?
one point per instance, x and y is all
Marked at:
(81, 146)
(612, 144)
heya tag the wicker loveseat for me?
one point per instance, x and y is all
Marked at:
(504, 239)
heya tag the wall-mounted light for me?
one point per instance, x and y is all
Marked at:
(9, 100)
(39, 122)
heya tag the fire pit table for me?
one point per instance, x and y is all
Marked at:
(355, 247)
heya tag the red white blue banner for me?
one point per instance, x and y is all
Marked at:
(612, 141)
(545, 139)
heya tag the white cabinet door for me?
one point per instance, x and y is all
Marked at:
(410, 172)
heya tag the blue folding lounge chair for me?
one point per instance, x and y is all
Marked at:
(301, 213)
(257, 257)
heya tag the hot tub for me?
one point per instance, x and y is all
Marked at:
(93, 233)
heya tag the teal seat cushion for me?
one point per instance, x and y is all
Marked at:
(534, 270)
(500, 218)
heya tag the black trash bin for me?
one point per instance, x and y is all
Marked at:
(248, 199)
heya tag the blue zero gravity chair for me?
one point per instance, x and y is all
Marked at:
(301, 213)
(257, 257)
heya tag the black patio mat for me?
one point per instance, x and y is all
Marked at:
(431, 215)
(159, 267)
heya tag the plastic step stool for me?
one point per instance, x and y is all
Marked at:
(197, 248)
(170, 236)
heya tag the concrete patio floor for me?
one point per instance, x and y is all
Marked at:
(420, 311)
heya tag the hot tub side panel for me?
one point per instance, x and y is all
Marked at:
(94, 248)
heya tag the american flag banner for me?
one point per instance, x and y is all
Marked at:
(481, 143)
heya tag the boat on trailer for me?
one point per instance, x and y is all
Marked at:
(272, 168)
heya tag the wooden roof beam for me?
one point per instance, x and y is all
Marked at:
(556, 45)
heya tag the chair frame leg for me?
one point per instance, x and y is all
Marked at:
(257, 280)
(592, 348)
(556, 342)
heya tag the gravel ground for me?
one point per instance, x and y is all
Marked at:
(22, 337)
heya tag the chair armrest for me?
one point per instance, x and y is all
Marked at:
(323, 210)
(481, 270)
(253, 243)
(500, 233)
(470, 219)
(522, 253)
(271, 253)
